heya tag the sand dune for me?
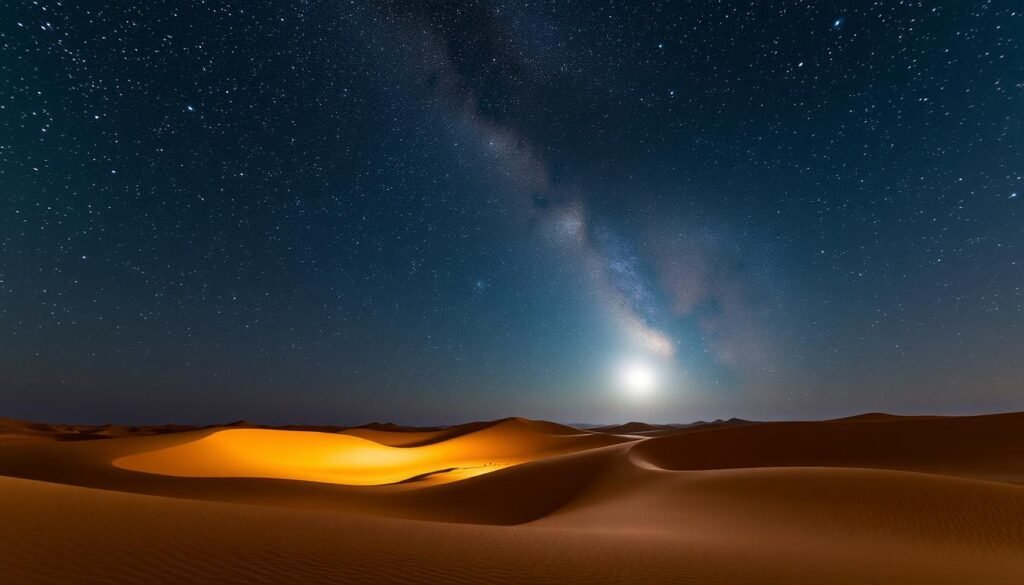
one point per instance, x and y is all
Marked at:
(354, 460)
(984, 447)
(19, 431)
(870, 499)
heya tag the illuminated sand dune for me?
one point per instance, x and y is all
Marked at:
(353, 460)
(887, 500)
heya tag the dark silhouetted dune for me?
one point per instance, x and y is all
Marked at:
(632, 428)
(985, 447)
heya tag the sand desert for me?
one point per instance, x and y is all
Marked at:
(867, 499)
(715, 292)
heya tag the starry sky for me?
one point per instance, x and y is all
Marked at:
(432, 212)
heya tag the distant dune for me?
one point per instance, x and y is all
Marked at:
(632, 428)
(867, 499)
(642, 429)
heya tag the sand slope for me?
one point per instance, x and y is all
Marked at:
(986, 447)
(353, 460)
(873, 499)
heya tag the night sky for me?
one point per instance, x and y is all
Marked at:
(432, 212)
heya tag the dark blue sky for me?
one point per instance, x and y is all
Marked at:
(430, 212)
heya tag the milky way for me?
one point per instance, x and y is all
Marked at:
(439, 211)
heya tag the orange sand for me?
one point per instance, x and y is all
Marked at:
(872, 499)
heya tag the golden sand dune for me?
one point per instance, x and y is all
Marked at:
(396, 436)
(873, 499)
(353, 460)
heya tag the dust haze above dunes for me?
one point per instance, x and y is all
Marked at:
(870, 498)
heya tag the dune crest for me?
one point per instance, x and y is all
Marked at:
(982, 447)
(351, 459)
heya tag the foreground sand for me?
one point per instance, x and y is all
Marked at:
(872, 499)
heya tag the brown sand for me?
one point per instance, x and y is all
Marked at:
(873, 499)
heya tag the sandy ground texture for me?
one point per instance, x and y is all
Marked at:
(868, 499)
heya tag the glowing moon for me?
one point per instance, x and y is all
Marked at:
(638, 378)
